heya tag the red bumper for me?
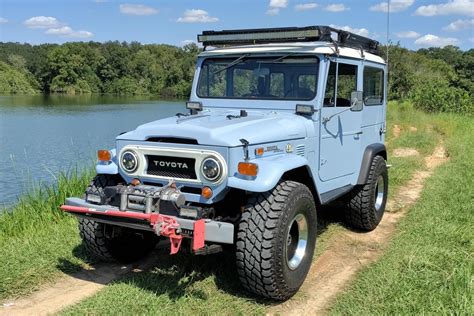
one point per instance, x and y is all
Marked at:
(163, 225)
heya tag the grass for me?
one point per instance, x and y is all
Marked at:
(429, 267)
(35, 237)
(428, 261)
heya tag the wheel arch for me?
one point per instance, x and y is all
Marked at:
(376, 149)
(274, 169)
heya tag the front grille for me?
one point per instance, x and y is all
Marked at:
(171, 167)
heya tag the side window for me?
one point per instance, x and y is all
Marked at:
(373, 86)
(329, 99)
(346, 83)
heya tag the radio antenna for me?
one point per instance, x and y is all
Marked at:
(388, 30)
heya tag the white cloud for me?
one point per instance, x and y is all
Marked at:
(460, 25)
(275, 6)
(460, 7)
(187, 42)
(306, 6)
(408, 34)
(42, 22)
(197, 16)
(436, 41)
(66, 31)
(395, 6)
(3, 20)
(361, 31)
(471, 39)
(137, 9)
(336, 7)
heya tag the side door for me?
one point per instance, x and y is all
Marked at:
(340, 128)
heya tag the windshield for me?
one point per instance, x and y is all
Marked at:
(286, 77)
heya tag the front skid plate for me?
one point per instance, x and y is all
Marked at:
(218, 232)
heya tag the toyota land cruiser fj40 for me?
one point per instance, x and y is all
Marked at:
(280, 122)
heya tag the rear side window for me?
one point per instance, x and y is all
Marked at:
(373, 86)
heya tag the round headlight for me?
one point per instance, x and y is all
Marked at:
(211, 169)
(129, 161)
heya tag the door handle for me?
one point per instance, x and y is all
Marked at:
(359, 132)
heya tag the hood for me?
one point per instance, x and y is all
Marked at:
(215, 128)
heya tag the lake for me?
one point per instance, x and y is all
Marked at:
(41, 136)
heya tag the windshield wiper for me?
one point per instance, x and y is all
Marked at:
(231, 64)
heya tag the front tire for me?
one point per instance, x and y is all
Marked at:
(365, 205)
(276, 240)
(113, 243)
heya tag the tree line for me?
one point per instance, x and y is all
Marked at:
(92, 67)
(434, 79)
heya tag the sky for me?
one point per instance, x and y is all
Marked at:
(414, 23)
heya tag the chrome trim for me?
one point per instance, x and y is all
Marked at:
(137, 161)
(379, 193)
(198, 154)
(219, 175)
(296, 241)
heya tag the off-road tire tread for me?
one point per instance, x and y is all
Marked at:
(254, 247)
(100, 181)
(93, 235)
(359, 211)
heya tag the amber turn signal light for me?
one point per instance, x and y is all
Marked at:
(206, 193)
(248, 169)
(103, 155)
(259, 151)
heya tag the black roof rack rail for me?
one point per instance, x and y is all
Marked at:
(287, 35)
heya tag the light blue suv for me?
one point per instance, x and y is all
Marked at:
(280, 122)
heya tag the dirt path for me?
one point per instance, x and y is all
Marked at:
(338, 265)
(72, 289)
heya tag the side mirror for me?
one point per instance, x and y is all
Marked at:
(356, 101)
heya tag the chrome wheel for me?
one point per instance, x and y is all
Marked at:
(296, 241)
(379, 193)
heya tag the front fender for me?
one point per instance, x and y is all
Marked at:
(110, 167)
(270, 171)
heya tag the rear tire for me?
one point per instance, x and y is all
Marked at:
(113, 243)
(276, 240)
(365, 204)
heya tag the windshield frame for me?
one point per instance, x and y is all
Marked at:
(273, 56)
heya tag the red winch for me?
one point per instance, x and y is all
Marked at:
(163, 225)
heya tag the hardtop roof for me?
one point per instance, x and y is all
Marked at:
(323, 48)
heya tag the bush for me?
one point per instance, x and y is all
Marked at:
(438, 96)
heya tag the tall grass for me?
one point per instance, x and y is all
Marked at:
(36, 236)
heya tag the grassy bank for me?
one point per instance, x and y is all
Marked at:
(36, 238)
(429, 267)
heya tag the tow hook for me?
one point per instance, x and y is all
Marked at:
(168, 227)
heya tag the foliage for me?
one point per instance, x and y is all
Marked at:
(16, 81)
(435, 79)
(111, 67)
